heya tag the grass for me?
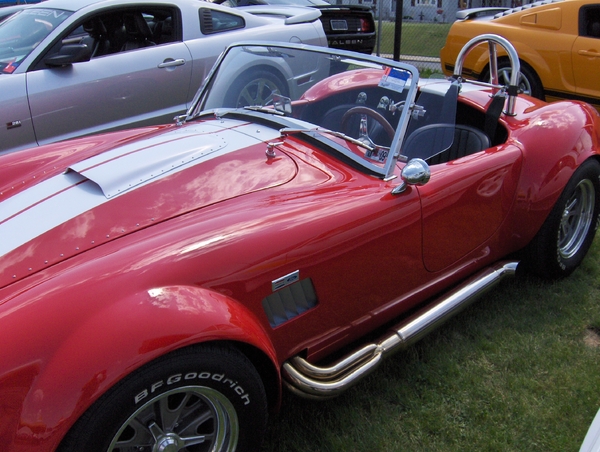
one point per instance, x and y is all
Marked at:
(517, 371)
(417, 38)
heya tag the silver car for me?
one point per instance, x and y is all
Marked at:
(76, 67)
(7, 11)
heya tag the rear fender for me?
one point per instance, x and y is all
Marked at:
(556, 140)
(119, 337)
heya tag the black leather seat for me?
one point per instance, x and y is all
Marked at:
(163, 31)
(137, 31)
(454, 140)
(593, 29)
(97, 39)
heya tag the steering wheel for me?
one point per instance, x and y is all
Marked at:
(363, 132)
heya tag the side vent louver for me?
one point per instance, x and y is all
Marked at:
(289, 302)
(206, 22)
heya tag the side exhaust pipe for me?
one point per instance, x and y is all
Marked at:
(310, 381)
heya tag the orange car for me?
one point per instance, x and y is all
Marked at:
(558, 43)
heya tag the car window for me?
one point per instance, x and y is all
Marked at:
(22, 32)
(123, 30)
(212, 21)
(589, 21)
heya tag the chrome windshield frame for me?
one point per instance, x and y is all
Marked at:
(386, 171)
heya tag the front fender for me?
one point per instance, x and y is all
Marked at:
(16, 131)
(90, 349)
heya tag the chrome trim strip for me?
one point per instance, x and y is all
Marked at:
(286, 280)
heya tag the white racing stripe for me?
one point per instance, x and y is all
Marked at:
(39, 209)
(49, 213)
(17, 203)
(131, 169)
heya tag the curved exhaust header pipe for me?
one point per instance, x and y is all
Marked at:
(310, 381)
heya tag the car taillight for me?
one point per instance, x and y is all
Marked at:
(365, 26)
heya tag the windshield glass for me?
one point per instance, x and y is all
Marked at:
(22, 32)
(351, 96)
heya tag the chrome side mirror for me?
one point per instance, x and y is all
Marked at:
(415, 172)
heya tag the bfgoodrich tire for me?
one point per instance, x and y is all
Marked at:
(207, 398)
(568, 232)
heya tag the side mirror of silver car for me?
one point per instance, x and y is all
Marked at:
(69, 54)
(415, 172)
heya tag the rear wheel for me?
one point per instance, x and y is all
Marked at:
(568, 232)
(255, 88)
(200, 399)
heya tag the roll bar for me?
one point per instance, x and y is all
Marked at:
(515, 65)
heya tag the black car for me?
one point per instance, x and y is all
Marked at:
(348, 27)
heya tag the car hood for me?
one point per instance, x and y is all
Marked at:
(71, 205)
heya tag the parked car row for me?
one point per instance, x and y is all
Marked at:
(558, 42)
(347, 26)
(76, 67)
(159, 286)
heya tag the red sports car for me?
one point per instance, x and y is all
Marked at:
(159, 286)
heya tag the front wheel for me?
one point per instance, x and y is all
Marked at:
(567, 234)
(529, 82)
(200, 399)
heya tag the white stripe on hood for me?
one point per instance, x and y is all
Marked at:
(99, 179)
